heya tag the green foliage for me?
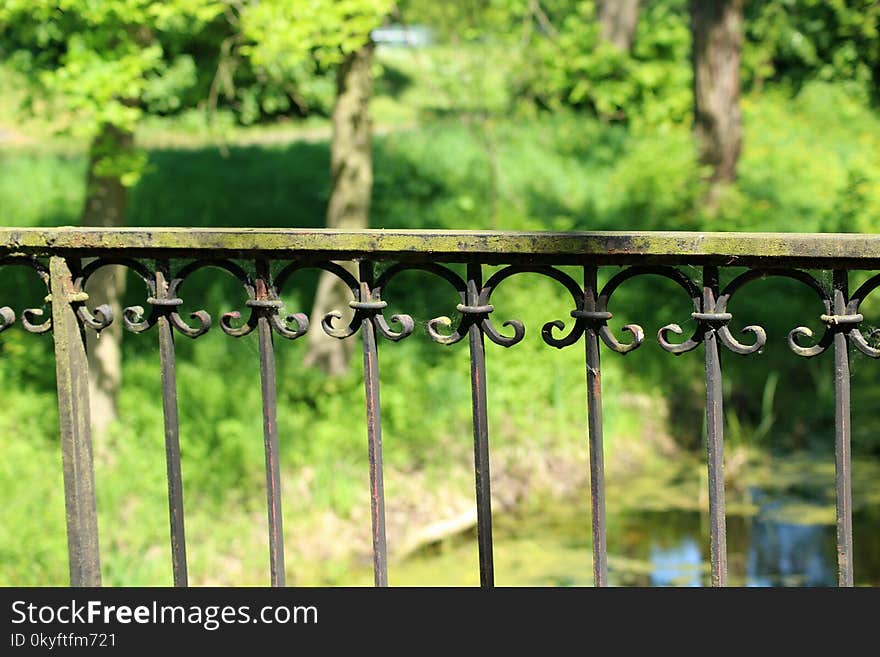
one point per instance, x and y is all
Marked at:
(446, 79)
(810, 162)
(785, 183)
(551, 56)
(110, 63)
(796, 41)
(555, 57)
(574, 67)
(94, 64)
(660, 182)
(97, 62)
(293, 48)
(326, 30)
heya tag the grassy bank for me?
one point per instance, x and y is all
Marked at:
(810, 163)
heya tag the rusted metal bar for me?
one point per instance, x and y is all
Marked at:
(481, 430)
(374, 430)
(714, 436)
(72, 371)
(172, 425)
(594, 412)
(842, 452)
(815, 251)
(270, 426)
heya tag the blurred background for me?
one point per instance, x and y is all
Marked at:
(467, 114)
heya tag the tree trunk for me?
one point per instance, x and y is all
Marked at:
(105, 207)
(617, 21)
(717, 28)
(351, 167)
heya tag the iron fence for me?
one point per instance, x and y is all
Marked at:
(65, 258)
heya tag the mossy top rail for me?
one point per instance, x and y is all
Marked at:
(835, 250)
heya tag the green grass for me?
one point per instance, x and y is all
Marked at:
(810, 163)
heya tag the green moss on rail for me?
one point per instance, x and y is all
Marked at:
(819, 250)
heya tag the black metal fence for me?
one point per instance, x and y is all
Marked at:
(57, 257)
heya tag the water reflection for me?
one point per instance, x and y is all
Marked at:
(679, 565)
(763, 551)
(787, 539)
(789, 555)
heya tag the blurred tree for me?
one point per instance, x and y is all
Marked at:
(96, 68)
(104, 207)
(335, 34)
(717, 29)
(618, 20)
(351, 169)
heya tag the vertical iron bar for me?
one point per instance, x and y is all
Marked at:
(374, 431)
(270, 429)
(843, 457)
(594, 414)
(714, 436)
(481, 430)
(172, 429)
(72, 371)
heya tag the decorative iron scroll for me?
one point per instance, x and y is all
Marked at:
(29, 316)
(474, 305)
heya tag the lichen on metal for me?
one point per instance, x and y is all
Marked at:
(459, 245)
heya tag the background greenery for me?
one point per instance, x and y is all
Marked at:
(486, 128)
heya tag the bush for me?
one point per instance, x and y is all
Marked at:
(650, 85)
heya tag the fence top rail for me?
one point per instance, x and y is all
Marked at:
(812, 250)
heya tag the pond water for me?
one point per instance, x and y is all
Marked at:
(762, 550)
(786, 538)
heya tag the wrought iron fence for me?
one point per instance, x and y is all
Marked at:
(58, 258)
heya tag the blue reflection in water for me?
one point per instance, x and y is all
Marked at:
(678, 565)
(783, 554)
(777, 553)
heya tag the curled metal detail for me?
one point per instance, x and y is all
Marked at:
(262, 300)
(673, 274)
(366, 304)
(171, 297)
(271, 307)
(7, 318)
(30, 317)
(853, 306)
(519, 330)
(102, 316)
(807, 351)
(469, 314)
(474, 306)
(373, 309)
(301, 319)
